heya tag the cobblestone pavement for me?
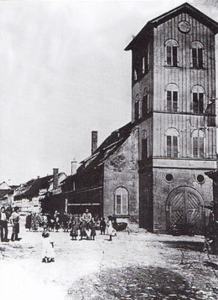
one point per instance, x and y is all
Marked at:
(138, 265)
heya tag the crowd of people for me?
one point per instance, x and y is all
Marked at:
(80, 226)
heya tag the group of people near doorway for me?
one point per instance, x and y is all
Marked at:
(9, 216)
(83, 226)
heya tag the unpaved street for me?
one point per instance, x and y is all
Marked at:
(138, 265)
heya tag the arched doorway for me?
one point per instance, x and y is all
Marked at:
(184, 208)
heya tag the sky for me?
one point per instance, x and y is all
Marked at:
(64, 73)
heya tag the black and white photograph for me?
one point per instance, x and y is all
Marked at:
(108, 150)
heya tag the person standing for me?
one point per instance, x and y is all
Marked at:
(28, 221)
(35, 222)
(15, 220)
(86, 219)
(48, 254)
(74, 232)
(111, 230)
(65, 220)
(4, 225)
(93, 228)
(102, 225)
(57, 220)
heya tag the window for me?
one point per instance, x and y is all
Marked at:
(200, 178)
(197, 55)
(135, 75)
(145, 145)
(145, 60)
(172, 146)
(145, 103)
(144, 148)
(143, 65)
(121, 201)
(74, 185)
(118, 204)
(198, 99)
(198, 137)
(137, 65)
(172, 53)
(172, 91)
(137, 107)
(210, 114)
(169, 177)
(172, 142)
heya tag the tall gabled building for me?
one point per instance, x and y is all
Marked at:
(173, 105)
(153, 169)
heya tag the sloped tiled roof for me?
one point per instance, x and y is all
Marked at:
(107, 148)
(4, 186)
(32, 187)
(4, 192)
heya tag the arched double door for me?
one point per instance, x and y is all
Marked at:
(184, 209)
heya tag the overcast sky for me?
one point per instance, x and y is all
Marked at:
(64, 73)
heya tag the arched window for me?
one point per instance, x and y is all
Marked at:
(172, 53)
(145, 103)
(198, 138)
(121, 198)
(198, 99)
(172, 92)
(197, 55)
(172, 142)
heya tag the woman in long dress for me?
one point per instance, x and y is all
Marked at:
(74, 232)
(110, 230)
(48, 254)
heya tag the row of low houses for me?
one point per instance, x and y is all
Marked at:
(28, 196)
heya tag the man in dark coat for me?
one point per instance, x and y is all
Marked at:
(4, 225)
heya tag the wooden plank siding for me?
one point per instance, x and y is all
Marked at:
(185, 77)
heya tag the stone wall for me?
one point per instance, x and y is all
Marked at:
(121, 170)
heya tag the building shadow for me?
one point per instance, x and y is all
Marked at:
(185, 245)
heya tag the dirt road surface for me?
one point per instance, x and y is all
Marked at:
(138, 265)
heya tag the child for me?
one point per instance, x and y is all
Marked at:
(74, 229)
(111, 230)
(48, 254)
(102, 225)
(93, 230)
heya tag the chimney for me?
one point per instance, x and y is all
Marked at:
(55, 178)
(73, 166)
(94, 141)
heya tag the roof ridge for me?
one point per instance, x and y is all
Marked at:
(185, 7)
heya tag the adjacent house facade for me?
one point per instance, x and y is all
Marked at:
(107, 181)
